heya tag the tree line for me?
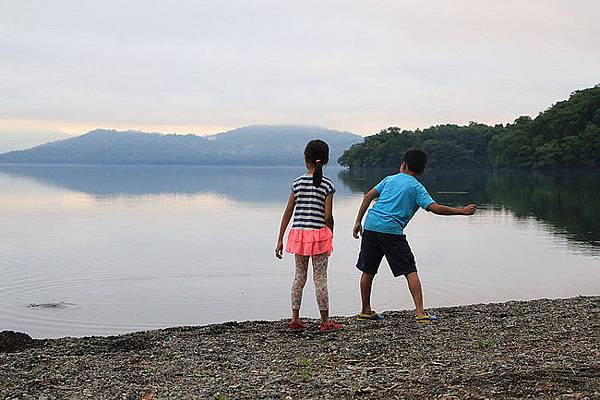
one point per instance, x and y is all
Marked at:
(567, 135)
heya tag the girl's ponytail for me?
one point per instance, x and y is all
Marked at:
(317, 153)
(318, 173)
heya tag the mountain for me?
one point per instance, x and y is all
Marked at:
(252, 145)
(19, 140)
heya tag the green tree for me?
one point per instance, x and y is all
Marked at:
(566, 135)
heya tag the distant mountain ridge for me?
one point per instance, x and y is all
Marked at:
(251, 145)
(11, 140)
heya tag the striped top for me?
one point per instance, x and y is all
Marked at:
(310, 202)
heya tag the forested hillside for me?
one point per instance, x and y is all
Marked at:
(567, 135)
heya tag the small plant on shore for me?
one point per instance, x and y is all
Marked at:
(322, 360)
(304, 371)
(486, 343)
(220, 396)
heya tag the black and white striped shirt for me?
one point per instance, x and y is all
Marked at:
(310, 202)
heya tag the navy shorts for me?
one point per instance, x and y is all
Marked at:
(395, 248)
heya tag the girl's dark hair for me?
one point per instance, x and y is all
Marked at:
(317, 153)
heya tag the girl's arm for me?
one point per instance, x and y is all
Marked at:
(369, 197)
(285, 220)
(329, 211)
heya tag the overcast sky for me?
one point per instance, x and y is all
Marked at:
(208, 66)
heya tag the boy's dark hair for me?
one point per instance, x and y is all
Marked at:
(416, 160)
(317, 153)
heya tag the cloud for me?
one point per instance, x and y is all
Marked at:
(352, 65)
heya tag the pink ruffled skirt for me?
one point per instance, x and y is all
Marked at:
(310, 242)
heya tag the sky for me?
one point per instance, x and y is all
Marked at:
(208, 66)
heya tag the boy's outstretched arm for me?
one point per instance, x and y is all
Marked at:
(445, 210)
(285, 220)
(369, 197)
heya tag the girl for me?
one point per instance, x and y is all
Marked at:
(311, 233)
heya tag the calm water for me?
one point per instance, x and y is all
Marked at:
(105, 250)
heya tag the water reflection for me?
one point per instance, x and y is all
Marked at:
(246, 184)
(564, 200)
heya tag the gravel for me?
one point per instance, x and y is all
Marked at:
(534, 349)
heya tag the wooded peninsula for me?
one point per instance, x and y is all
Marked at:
(567, 135)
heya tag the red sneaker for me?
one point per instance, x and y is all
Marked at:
(330, 326)
(296, 326)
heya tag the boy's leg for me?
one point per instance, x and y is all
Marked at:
(402, 262)
(366, 283)
(298, 285)
(319, 262)
(414, 285)
(368, 262)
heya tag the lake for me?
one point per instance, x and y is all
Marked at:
(98, 250)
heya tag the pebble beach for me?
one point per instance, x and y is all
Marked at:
(526, 349)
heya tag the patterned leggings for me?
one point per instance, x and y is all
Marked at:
(319, 262)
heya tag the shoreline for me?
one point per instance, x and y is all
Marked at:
(537, 348)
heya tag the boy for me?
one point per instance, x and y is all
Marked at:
(400, 196)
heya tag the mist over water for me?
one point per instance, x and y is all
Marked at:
(103, 250)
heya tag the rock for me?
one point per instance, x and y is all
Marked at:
(11, 341)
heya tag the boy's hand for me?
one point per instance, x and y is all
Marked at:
(470, 209)
(279, 249)
(357, 230)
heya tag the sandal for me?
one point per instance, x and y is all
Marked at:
(330, 326)
(426, 318)
(296, 326)
(370, 317)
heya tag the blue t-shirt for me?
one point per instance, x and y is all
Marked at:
(400, 196)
